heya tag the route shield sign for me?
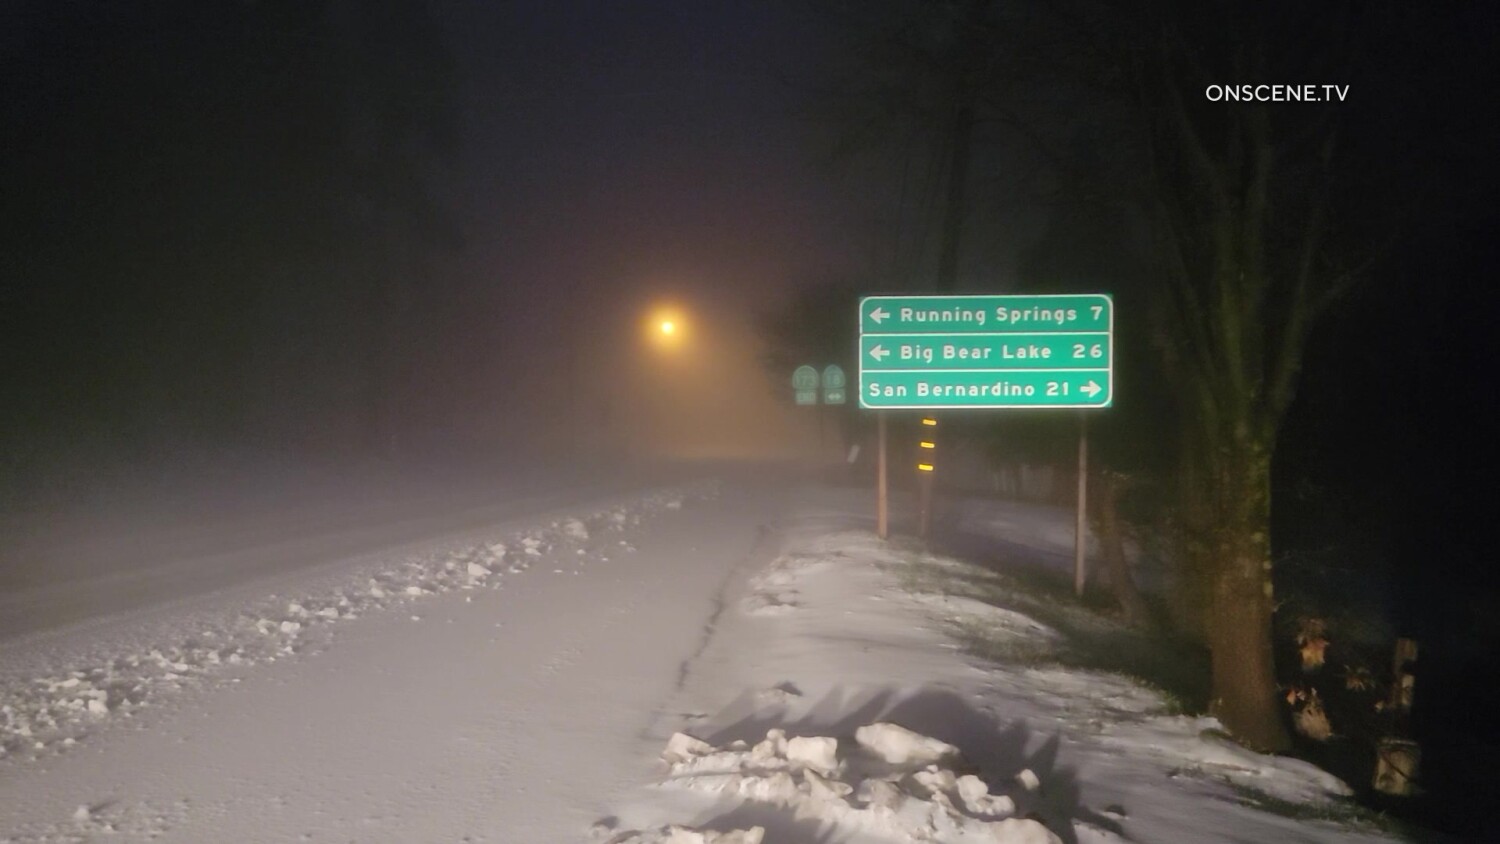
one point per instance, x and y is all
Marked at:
(834, 385)
(937, 352)
(805, 385)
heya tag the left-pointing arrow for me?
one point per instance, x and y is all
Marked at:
(879, 315)
(879, 352)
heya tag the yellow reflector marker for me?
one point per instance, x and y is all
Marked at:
(929, 421)
(924, 467)
(926, 444)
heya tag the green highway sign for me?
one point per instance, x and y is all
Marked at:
(989, 351)
(985, 314)
(950, 389)
(1034, 351)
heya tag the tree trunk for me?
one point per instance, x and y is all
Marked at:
(1112, 540)
(1244, 690)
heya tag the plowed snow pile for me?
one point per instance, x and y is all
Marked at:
(889, 780)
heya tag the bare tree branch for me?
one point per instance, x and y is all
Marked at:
(1192, 144)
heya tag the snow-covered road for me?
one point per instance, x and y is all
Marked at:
(508, 711)
(144, 552)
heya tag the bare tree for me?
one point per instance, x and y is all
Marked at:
(1240, 197)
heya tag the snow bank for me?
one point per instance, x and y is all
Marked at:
(856, 696)
(50, 710)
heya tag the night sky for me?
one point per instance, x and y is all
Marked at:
(619, 155)
(319, 233)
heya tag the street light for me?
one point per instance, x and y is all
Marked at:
(666, 327)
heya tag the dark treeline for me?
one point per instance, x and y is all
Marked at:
(213, 214)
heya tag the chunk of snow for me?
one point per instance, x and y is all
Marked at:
(772, 747)
(778, 788)
(978, 801)
(575, 529)
(476, 570)
(687, 835)
(897, 745)
(972, 788)
(820, 753)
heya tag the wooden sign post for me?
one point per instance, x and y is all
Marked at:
(1080, 534)
(882, 499)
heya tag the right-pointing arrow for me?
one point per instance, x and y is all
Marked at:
(879, 352)
(879, 315)
(1091, 389)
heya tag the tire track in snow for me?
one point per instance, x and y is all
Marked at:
(767, 541)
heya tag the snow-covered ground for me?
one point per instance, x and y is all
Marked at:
(842, 635)
(732, 662)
